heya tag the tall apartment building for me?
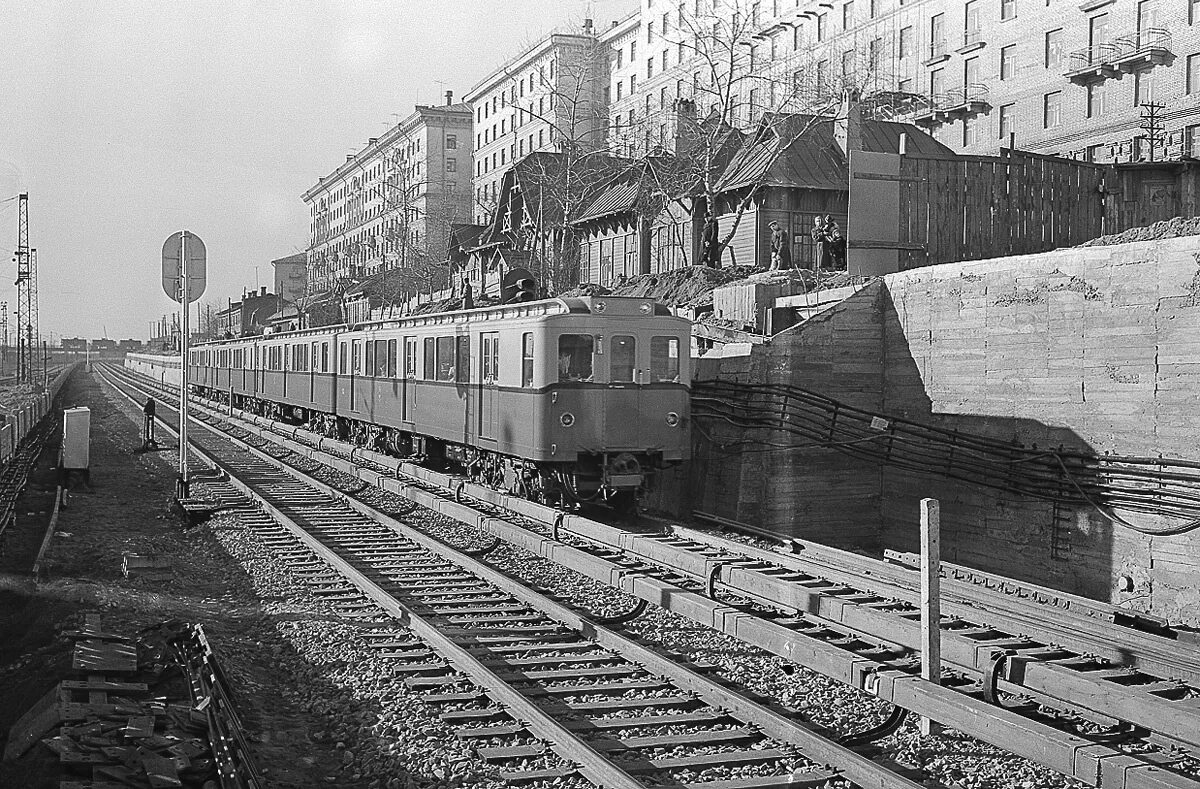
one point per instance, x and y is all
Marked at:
(391, 204)
(1104, 80)
(549, 95)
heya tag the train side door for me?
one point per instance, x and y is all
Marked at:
(355, 371)
(489, 394)
(408, 396)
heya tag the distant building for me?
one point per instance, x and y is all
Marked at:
(391, 204)
(247, 317)
(549, 95)
(290, 277)
(74, 344)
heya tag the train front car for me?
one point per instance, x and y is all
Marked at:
(614, 375)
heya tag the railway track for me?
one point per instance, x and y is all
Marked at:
(1017, 685)
(544, 693)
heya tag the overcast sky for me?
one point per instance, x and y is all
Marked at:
(127, 121)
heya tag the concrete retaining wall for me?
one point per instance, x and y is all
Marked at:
(17, 424)
(1094, 349)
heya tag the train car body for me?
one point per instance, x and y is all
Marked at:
(573, 399)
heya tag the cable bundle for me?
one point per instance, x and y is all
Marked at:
(801, 419)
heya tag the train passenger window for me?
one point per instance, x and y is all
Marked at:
(463, 358)
(575, 357)
(430, 373)
(369, 369)
(342, 359)
(410, 357)
(489, 346)
(527, 359)
(391, 356)
(381, 359)
(445, 359)
(664, 359)
(316, 357)
(356, 357)
(623, 359)
(324, 357)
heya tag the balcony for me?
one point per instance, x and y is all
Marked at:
(1149, 47)
(1093, 63)
(937, 53)
(972, 39)
(965, 101)
(954, 104)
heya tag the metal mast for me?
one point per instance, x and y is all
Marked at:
(26, 293)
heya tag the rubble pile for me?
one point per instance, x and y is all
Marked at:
(130, 717)
(1169, 228)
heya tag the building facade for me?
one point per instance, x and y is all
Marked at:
(1101, 80)
(549, 96)
(391, 204)
(291, 277)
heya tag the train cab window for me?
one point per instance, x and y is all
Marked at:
(410, 357)
(623, 359)
(527, 359)
(664, 359)
(575, 357)
(356, 357)
(430, 373)
(489, 356)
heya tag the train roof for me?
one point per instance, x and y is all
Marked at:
(615, 306)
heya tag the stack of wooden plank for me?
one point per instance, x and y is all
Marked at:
(113, 729)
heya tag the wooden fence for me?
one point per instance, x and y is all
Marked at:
(976, 207)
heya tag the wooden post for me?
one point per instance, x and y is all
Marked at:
(931, 613)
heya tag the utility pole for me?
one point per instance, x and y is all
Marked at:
(4, 346)
(26, 293)
(1152, 124)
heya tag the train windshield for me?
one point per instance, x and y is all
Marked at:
(664, 359)
(575, 357)
(623, 358)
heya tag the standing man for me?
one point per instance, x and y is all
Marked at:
(821, 244)
(148, 431)
(781, 248)
(710, 254)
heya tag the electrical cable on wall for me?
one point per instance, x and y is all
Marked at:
(807, 420)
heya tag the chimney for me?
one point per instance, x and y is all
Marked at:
(372, 140)
(847, 128)
(587, 27)
(349, 157)
(449, 97)
(263, 292)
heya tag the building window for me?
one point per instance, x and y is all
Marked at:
(1095, 99)
(937, 82)
(1193, 73)
(451, 142)
(1193, 12)
(1052, 110)
(1143, 87)
(1054, 48)
(1008, 122)
(649, 32)
(906, 41)
(1092, 153)
(937, 31)
(875, 53)
(620, 88)
(971, 32)
(1008, 61)
(451, 166)
(970, 131)
(848, 64)
(822, 26)
(649, 68)
(970, 72)
(1008, 9)
(848, 15)
(620, 60)
(822, 81)
(1191, 141)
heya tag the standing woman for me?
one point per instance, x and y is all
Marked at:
(821, 242)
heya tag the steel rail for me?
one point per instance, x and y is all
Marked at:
(815, 745)
(1069, 754)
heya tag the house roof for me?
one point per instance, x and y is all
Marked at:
(812, 158)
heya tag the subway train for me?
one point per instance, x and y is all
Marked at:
(564, 400)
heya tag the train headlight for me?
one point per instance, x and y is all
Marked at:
(672, 419)
(567, 419)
